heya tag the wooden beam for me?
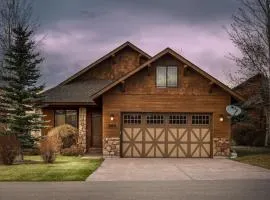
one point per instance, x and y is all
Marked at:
(113, 59)
(139, 59)
(148, 69)
(211, 85)
(185, 70)
(123, 86)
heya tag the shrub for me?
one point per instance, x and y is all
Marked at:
(74, 150)
(65, 136)
(9, 149)
(244, 134)
(48, 149)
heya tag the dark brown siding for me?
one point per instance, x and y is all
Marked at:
(49, 116)
(191, 95)
(116, 66)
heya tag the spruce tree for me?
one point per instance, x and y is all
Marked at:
(20, 99)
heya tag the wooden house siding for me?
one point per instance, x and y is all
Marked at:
(116, 66)
(194, 94)
(49, 117)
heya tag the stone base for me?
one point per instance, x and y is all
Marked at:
(111, 147)
(221, 147)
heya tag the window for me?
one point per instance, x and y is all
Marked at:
(177, 119)
(132, 119)
(200, 119)
(166, 76)
(155, 119)
(66, 117)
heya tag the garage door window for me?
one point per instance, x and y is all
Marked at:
(200, 119)
(155, 119)
(132, 119)
(177, 119)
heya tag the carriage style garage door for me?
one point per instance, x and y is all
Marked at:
(166, 135)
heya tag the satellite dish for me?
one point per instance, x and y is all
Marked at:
(233, 110)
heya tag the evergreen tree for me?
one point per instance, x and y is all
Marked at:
(20, 99)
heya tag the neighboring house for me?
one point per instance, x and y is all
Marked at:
(250, 90)
(133, 105)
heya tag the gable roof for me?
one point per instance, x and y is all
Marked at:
(126, 44)
(77, 92)
(179, 57)
(252, 79)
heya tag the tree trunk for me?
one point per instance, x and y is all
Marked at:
(267, 131)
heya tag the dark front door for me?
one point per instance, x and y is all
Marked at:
(96, 130)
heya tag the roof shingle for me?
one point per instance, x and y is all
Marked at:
(76, 92)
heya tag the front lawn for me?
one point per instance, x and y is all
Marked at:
(65, 168)
(259, 156)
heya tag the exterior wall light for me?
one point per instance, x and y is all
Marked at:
(112, 117)
(221, 118)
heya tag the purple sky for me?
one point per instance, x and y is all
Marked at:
(76, 33)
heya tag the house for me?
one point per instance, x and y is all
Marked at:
(256, 120)
(133, 105)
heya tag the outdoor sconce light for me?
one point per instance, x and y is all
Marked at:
(112, 117)
(221, 118)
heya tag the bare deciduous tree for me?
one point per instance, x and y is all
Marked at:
(12, 12)
(250, 33)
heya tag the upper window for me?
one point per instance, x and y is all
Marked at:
(66, 117)
(166, 76)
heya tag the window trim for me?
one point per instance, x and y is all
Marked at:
(166, 67)
(54, 116)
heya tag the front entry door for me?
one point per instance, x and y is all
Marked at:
(96, 130)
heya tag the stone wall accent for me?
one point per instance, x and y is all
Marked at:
(111, 147)
(82, 128)
(221, 147)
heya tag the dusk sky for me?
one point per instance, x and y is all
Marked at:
(76, 33)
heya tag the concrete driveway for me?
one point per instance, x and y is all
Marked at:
(143, 169)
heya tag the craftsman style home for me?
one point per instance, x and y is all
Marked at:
(130, 104)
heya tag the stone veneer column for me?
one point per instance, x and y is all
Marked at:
(111, 147)
(221, 147)
(82, 128)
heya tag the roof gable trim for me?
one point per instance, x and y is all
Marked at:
(179, 57)
(108, 55)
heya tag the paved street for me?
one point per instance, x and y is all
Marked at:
(132, 169)
(163, 190)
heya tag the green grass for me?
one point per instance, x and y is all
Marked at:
(258, 156)
(65, 168)
(261, 160)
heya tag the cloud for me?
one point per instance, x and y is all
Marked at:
(71, 42)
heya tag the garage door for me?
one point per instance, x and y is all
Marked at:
(166, 135)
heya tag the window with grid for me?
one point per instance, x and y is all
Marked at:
(178, 119)
(200, 119)
(132, 119)
(154, 119)
(166, 76)
(66, 117)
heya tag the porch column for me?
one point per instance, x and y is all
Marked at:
(82, 128)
